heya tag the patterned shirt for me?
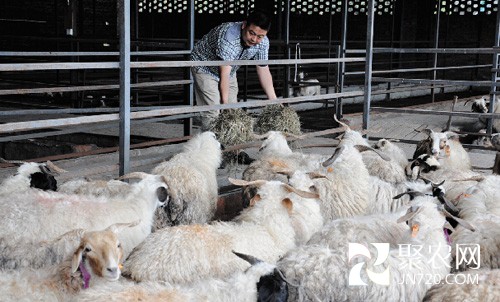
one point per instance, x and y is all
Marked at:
(224, 43)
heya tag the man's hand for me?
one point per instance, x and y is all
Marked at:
(224, 72)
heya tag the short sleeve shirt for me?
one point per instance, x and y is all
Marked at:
(224, 43)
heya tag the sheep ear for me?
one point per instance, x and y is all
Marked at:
(427, 131)
(452, 135)
(77, 258)
(255, 199)
(288, 204)
(118, 227)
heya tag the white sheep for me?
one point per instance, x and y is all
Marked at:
(97, 188)
(192, 180)
(474, 285)
(325, 271)
(446, 147)
(479, 206)
(306, 88)
(345, 192)
(482, 105)
(31, 175)
(96, 259)
(276, 223)
(40, 215)
(261, 282)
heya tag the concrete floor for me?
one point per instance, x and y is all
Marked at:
(388, 125)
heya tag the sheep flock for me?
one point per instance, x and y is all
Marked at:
(366, 222)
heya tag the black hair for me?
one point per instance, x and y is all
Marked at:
(43, 181)
(259, 18)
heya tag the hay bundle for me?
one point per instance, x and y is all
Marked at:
(278, 118)
(232, 127)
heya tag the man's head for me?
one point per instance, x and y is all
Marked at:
(255, 28)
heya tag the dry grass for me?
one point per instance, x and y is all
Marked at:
(278, 118)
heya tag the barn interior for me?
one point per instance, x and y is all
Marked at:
(103, 88)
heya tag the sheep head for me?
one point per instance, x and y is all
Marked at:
(100, 253)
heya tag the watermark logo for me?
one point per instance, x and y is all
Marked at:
(469, 255)
(356, 249)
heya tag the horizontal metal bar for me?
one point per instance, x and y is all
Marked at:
(443, 82)
(157, 64)
(74, 110)
(91, 88)
(436, 112)
(418, 69)
(79, 129)
(52, 123)
(428, 50)
(88, 53)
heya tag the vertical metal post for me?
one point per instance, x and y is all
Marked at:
(368, 65)
(124, 27)
(136, 48)
(494, 74)
(436, 45)
(330, 24)
(287, 48)
(343, 47)
(188, 123)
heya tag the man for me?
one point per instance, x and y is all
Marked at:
(227, 42)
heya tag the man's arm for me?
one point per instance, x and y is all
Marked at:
(224, 83)
(266, 81)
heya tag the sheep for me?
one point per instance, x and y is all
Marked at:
(472, 286)
(320, 269)
(192, 179)
(261, 282)
(307, 89)
(392, 170)
(446, 147)
(345, 191)
(36, 254)
(273, 225)
(479, 206)
(31, 175)
(96, 259)
(482, 105)
(97, 188)
(44, 215)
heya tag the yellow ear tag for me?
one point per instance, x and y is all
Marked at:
(329, 170)
(120, 266)
(447, 150)
(414, 230)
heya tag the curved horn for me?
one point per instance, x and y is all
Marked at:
(118, 227)
(242, 183)
(475, 178)
(469, 100)
(363, 148)
(45, 170)
(334, 156)
(250, 259)
(341, 123)
(434, 185)
(140, 175)
(462, 222)
(416, 193)
(409, 215)
(301, 193)
(15, 162)
(54, 168)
